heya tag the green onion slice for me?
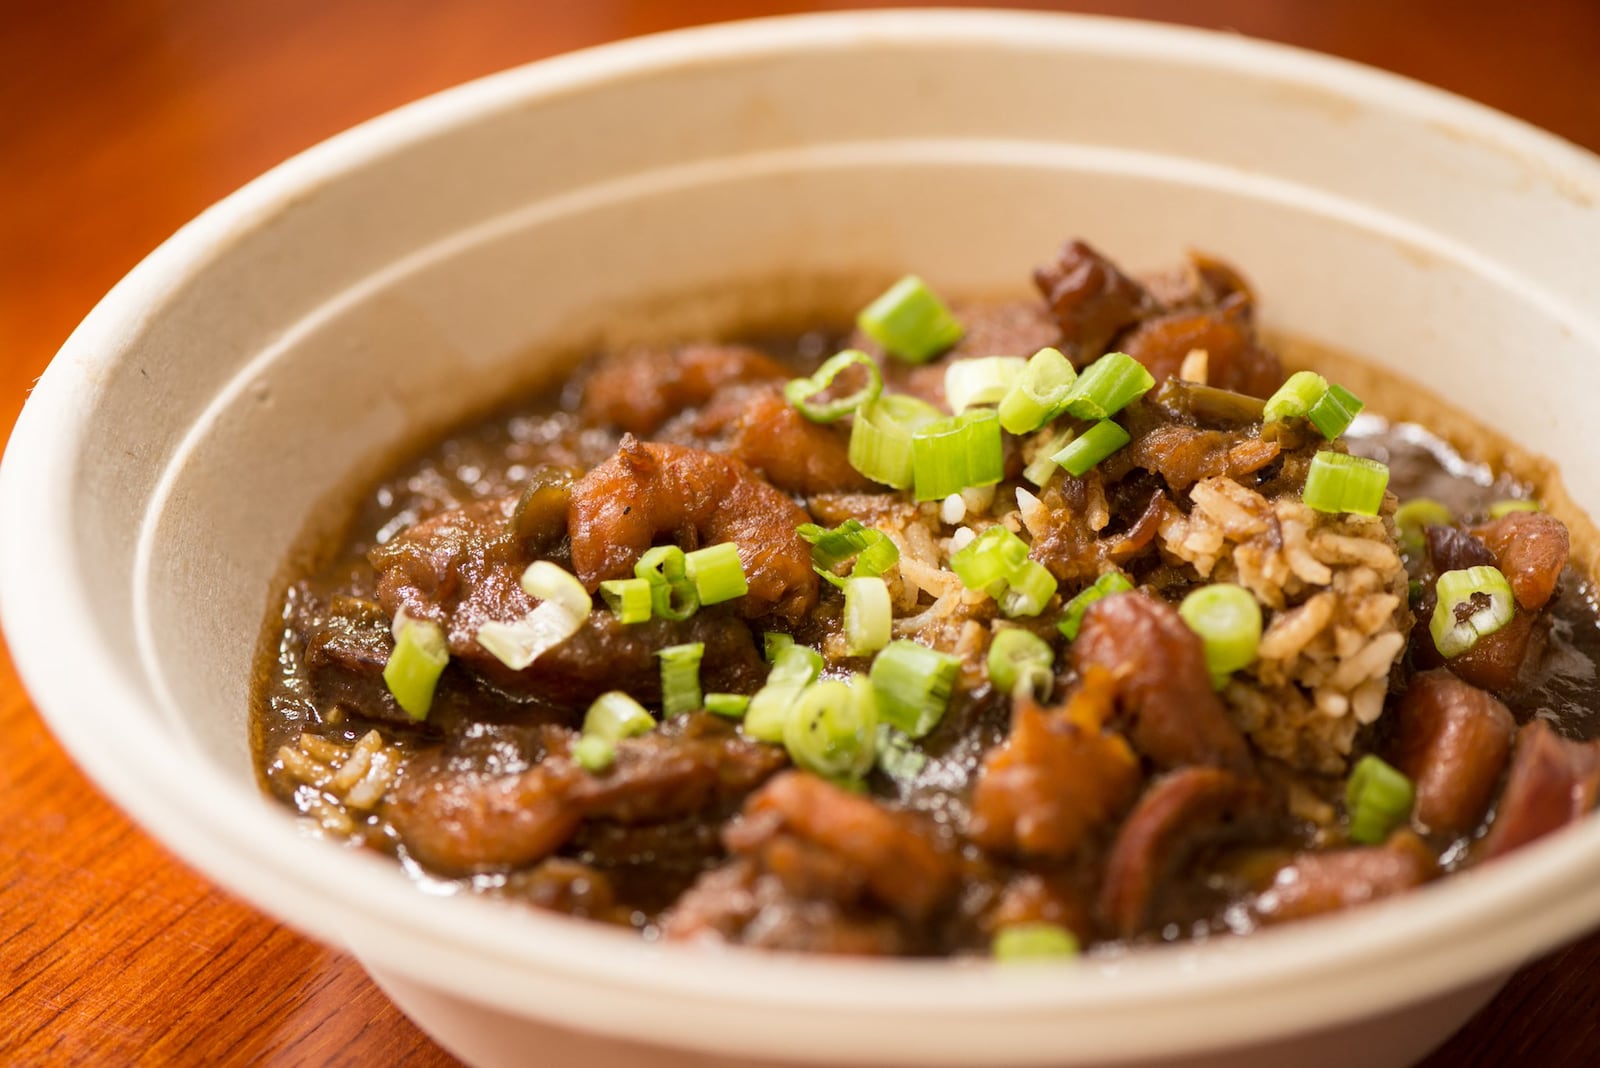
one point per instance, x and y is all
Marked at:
(672, 595)
(1500, 509)
(1341, 483)
(1378, 799)
(867, 615)
(549, 582)
(1107, 386)
(773, 643)
(910, 321)
(680, 678)
(801, 392)
(730, 705)
(1038, 394)
(414, 666)
(1023, 942)
(1414, 517)
(614, 716)
(1104, 586)
(1029, 588)
(880, 438)
(1228, 620)
(594, 754)
(716, 572)
(990, 558)
(1090, 447)
(898, 756)
(563, 608)
(1021, 661)
(1044, 466)
(833, 728)
(913, 684)
(794, 666)
(1295, 397)
(1473, 603)
(1334, 411)
(872, 550)
(950, 455)
(628, 599)
(983, 380)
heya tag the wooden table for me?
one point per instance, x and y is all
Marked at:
(119, 120)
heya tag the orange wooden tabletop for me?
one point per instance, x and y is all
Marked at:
(121, 119)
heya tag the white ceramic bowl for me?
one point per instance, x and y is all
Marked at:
(398, 276)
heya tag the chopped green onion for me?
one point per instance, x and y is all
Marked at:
(773, 643)
(1341, 483)
(1295, 397)
(1090, 447)
(672, 595)
(1038, 394)
(628, 599)
(983, 380)
(414, 666)
(800, 391)
(614, 716)
(1107, 386)
(873, 550)
(1334, 411)
(833, 728)
(594, 754)
(564, 606)
(1473, 603)
(989, 558)
(1413, 517)
(716, 572)
(1029, 588)
(950, 455)
(731, 705)
(1043, 467)
(1228, 620)
(913, 684)
(1020, 660)
(867, 615)
(680, 678)
(880, 439)
(1023, 942)
(1378, 799)
(794, 666)
(898, 757)
(1104, 586)
(1501, 509)
(910, 322)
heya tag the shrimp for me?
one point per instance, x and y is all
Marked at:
(639, 390)
(649, 489)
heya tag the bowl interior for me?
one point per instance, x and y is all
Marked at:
(384, 286)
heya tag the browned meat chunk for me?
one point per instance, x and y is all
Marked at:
(1531, 549)
(1092, 301)
(347, 647)
(1234, 358)
(1072, 549)
(1177, 815)
(1316, 883)
(795, 454)
(606, 654)
(898, 863)
(1453, 549)
(651, 490)
(462, 820)
(1163, 687)
(641, 389)
(1183, 455)
(564, 885)
(1553, 781)
(1058, 778)
(1495, 663)
(1452, 739)
(743, 904)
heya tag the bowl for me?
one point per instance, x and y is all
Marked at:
(385, 284)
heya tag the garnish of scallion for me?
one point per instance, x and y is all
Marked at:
(982, 380)
(880, 437)
(1089, 448)
(1033, 942)
(794, 666)
(871, 550)
(1378, 799)
(833, 728)
(1021, 662)
(628, 599)
(913, 684)
(950, 455)
(612, 717)
(868, 615)
(1104, 586)
(564, 606)
(1414, 517)
(1039, 392)
(803, 393)
(910, 321)
(1501, 509)
(680, 678)
(414, 666)
(1338, 482)
(1473, 603)
(1107, 386)
(1228, 620)
(1295, 397)
(716, 573)
(672, 595)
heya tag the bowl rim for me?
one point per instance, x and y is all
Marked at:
(1468, 927)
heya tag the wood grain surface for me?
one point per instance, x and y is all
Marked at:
(121, 119)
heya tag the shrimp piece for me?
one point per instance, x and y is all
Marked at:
(649, 489)
(639, 390)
